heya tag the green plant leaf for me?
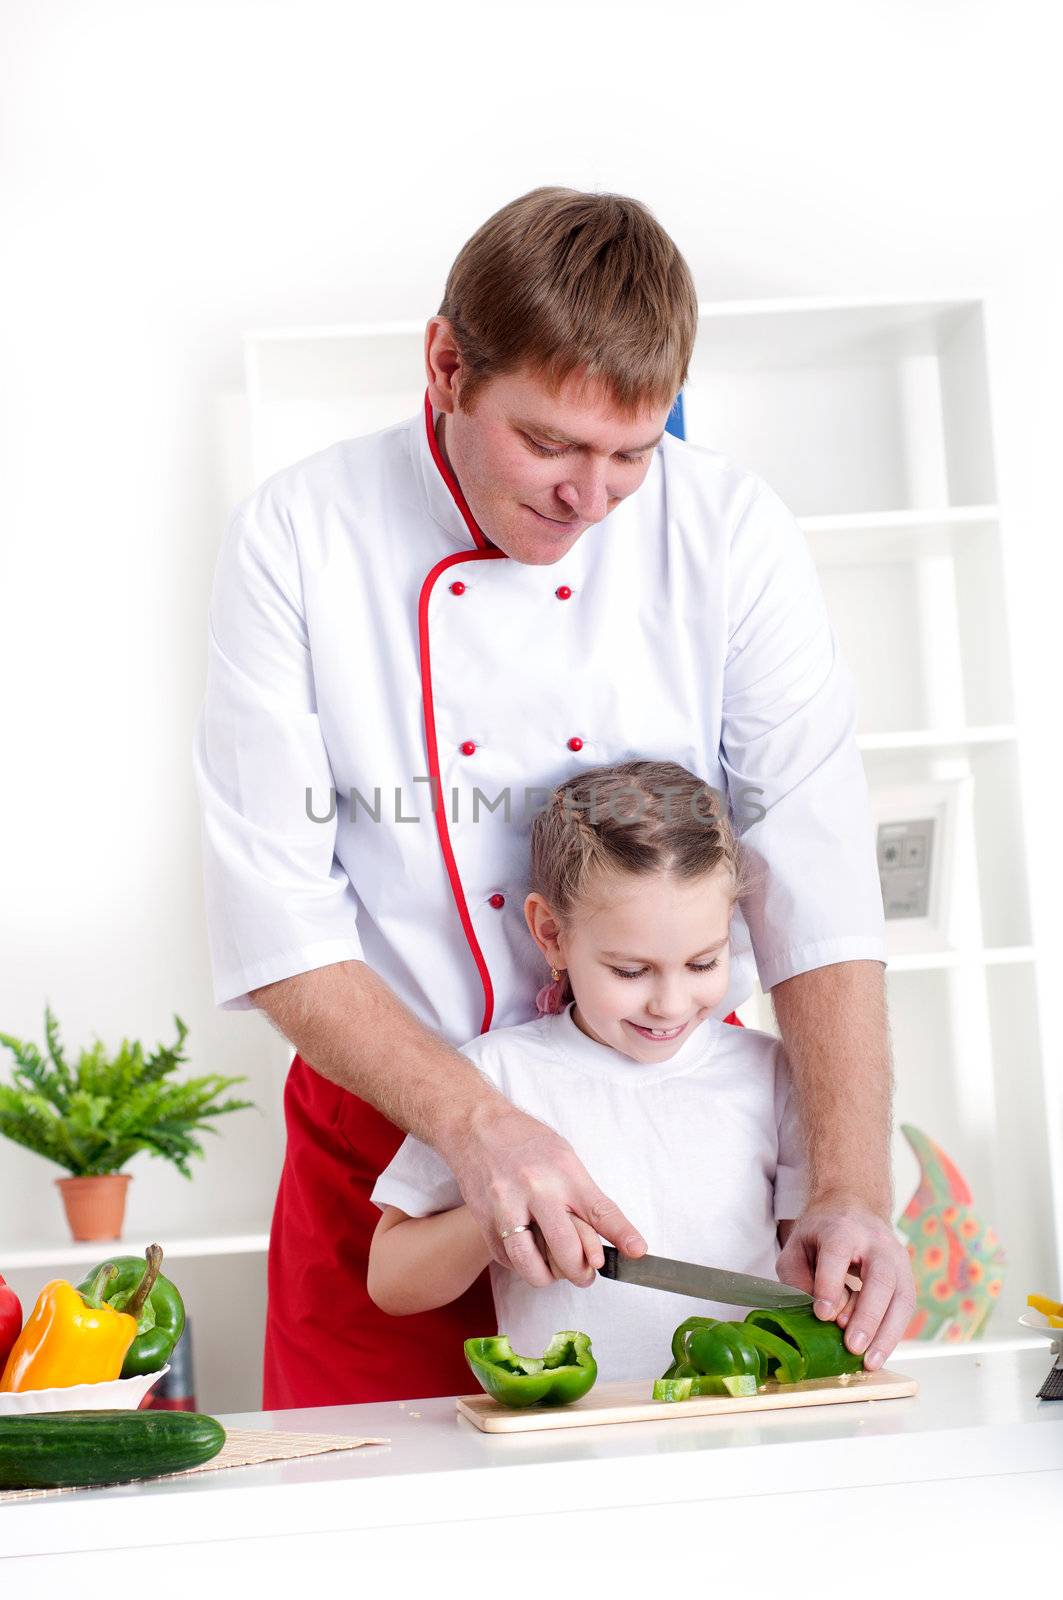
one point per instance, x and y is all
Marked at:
(55, 1050)
(95, 1118)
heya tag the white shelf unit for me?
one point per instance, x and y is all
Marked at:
(872, 419)
(72, 1254)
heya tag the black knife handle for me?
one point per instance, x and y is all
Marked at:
(608, 1268)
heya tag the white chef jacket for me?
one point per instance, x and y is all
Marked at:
(366, 638)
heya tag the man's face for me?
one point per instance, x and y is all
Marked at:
(539, 470)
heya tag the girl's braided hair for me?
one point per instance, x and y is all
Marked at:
(639, 817)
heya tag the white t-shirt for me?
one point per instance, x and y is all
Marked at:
(702, 1153)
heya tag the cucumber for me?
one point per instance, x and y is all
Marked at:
(67, 1449)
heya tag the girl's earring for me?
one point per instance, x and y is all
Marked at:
(548, 1002)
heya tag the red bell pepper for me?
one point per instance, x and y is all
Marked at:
(10, 1320)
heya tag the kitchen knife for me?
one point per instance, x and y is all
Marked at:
(704, 1283)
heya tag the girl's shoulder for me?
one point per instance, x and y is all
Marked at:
(491, 1050)
(753, 1045)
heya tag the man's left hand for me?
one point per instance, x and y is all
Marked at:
(837, 1235)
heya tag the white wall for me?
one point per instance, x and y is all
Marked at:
(173, 173)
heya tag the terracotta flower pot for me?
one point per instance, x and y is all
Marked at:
(95, 1207)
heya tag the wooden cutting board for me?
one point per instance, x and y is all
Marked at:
(631, 1402)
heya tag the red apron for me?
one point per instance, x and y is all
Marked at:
(327, 1344)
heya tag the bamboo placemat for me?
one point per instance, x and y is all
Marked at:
(243, 1447)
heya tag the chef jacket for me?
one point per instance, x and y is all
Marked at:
(390, 698)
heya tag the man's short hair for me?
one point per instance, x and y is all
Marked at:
(561, 280)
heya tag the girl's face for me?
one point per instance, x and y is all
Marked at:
(647, 958)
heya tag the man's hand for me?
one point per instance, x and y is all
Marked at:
(513, 1170)
(839, 1234)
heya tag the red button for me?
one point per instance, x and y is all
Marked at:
(457, 588)
(575, 744)
(468, 748)
(564, 593)
(498, 901)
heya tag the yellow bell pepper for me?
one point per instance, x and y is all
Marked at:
(1052, 1309)
(69, 1337)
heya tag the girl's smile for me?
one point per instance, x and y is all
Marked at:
(658, 1036)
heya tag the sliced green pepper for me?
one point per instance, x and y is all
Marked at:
(711, 1357)
(735, 1385)
(160, 1317)
(679, 1337)
(820, 1345)
(564, 1372)
(672, 1388)
(724, 1350)
(780, 1361)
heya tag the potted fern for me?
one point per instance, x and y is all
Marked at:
(94, 1117)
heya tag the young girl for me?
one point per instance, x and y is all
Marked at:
(687, 1122)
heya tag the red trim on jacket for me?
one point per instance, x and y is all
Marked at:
(480, 538)
(485, 552)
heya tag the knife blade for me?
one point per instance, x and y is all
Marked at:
(703, 1283)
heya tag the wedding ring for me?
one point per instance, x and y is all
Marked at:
(525, 1227)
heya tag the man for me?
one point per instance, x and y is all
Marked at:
(413, 635)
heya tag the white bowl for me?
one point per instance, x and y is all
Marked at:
(120, 1394)
(1038, 1323)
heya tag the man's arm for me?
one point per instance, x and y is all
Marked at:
(351, 1027)
(355, 1031)
(833, 1024)
(834, 1028)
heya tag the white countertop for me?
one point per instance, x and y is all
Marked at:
(974, 1417)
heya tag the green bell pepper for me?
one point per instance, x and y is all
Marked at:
(679, 1338)
(564, 1372)
(160, 1318)
(819, 1345)
(780, 1361)
(714, 1357)
(723, 1351)
(711, 1357)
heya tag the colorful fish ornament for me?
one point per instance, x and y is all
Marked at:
(957, 1260)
